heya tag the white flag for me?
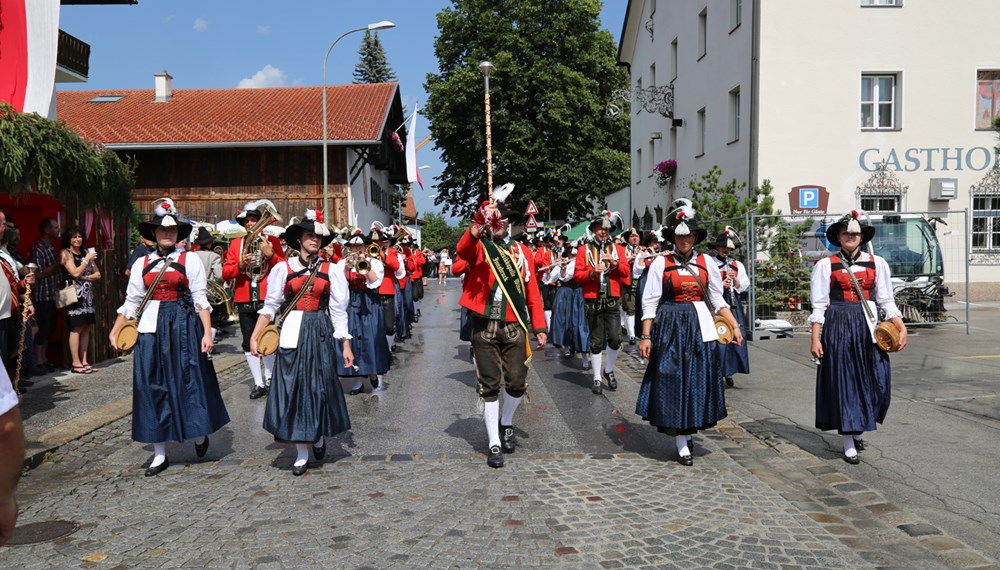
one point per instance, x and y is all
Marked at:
(412, 171)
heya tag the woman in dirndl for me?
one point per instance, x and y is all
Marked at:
(175, 393)
(306, 403)
(733, 359)
(364, 316)
(853, 385)
(570, 329)
(682, 390)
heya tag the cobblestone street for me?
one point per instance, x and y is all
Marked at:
(611, 498)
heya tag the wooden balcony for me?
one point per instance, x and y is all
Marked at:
(73, 55)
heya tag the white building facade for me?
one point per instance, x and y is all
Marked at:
(815, 95)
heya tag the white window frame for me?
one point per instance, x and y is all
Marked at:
(876, 103)
(652, 162)
(873, 209)
(673, 60)
(700, 141)
(652, 74)
(992, 231)
(734, 114)
(638, 165)
(735, 14)
(703, 33)
(881, 3)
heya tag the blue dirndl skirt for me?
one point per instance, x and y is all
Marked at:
(682, 389)
(411, 310)
(569, 319)
(853, 379)
(402, 322)
(371, 351)
(465, 329)
(175, 393)
(306, 401)
(734, 359)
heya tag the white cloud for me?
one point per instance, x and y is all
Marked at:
(200, 25)
(264, 30)
(168, 19)
(269, 76)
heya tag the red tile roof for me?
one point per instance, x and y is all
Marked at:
(409, 208)
(219, 116)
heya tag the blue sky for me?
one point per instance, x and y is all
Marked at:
(232, 43)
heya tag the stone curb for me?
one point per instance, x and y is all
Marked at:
(58, 435)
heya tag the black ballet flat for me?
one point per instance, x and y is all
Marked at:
(853, 460)
(685, 460)
(299, 470)
(201, 450)
(319, 452)
(356, 391)
(859, 444)
(154, 471)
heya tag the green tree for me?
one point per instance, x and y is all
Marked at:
(555, 72)
(437, 233)
(373, 66)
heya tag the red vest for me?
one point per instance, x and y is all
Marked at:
(170, 283)
(317, 297)
(683, 288)
(841, 284)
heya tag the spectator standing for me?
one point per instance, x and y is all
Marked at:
(11, 239)
(444, 265)
(44, 291)
(11, 455)
(82, 271)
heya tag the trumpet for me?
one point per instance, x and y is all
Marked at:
(374, 251)
(360, 264)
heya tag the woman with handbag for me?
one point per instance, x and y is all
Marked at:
(682, 390)
(306, 402)
(175, 394)
(82, 271)
(853, 378)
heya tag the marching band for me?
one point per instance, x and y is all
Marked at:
(340, 299)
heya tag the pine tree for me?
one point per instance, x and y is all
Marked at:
(373, 66)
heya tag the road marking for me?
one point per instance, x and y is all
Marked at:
(958, 398)
(977, 356)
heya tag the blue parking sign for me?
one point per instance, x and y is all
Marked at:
(808, 197)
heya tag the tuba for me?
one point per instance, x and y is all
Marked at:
(257, 268)
(217, 295)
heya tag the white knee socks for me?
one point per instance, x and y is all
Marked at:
(548, 320)
(391, 339)
(510, 404)
(268, 368)
(159, 454)
(302, 454)
(609, 362)
(597, 359)
(254, 363)
(630, 325)
(491, 416)
(682, 445)
(848, 442)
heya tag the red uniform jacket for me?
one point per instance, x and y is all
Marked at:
(391, 262)
(617, 277)
(458, 267)
(543, 258)
(231, 269)
(418, 264)
(478, 285)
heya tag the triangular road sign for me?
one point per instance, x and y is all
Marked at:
(532, 210)
(531, 224)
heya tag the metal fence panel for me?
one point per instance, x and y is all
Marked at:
(927, 253)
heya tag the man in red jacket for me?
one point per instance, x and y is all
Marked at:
(500, 292)
(249, 292)
(603, 270)
(415, 261)
(543, 258)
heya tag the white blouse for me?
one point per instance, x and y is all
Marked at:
(337, 306)
(742, 279)
(819, 287)
(654, 285)
(8, 398)
(136, 289)
(377, 269)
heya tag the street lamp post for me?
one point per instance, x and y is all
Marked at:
(486, 68)
(383, 25)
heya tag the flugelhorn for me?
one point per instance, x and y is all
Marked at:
(257, 268)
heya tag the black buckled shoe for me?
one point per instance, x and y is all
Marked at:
(859, 444)
(852, 460)
(319, 452)
(508, 443)
(495, 458)
(685, 460)
(729, 381)
(612, 382)
(357, 391)
(154, 471)
(299, 470)
(597, 388)
(201, 449)
(257, 392)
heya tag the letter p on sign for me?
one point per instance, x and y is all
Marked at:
(808, 198)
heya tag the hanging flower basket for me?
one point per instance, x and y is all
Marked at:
(665, 172)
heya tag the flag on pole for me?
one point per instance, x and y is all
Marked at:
(412, 171)
(29, 34)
